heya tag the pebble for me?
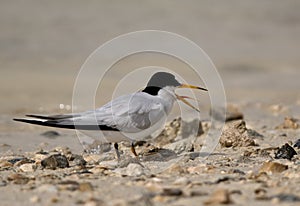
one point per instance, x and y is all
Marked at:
(55, 161)
(286, 198)
(86, 187)
(135, 170)
(181, 181)
(3, 183)
(289, 123)
(34, 199)
(92, 158)
(272, 167)
(4, 164)
(171, 192)
(285, 152)
(220, 196)
(18, 179)
(15, 160)
(169, 133)
(235, 134)
(77, 160)
(297, 144)
(29, 167)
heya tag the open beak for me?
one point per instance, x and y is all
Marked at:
(183, 98)
(191, 87)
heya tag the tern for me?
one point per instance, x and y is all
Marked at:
(128, 117)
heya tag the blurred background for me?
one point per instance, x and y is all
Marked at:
(255, 46)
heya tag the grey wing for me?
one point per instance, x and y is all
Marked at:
(131, 113)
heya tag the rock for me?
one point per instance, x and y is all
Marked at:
(3, 183)
(285, 152)
(4, 164)
(169, 133)
(34, 199)
(77, 160)
(261, 194)
(18, 179)
(297, 144)
(62, 150)
(272, 167)
(286, 198)
(92, 158)
(16, 159)
(29, 167)
(220, 196)
(86, 187)
(23, 161)
(277, 109)
(135, 170)
(289, 123)
(50, 134)
(55, 161)
(236, 134)
(171, 192)
(180, 146)
(68, 185)
(181, 181)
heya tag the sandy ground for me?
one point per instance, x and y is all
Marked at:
(255, 47)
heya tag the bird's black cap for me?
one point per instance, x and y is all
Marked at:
(160, 80)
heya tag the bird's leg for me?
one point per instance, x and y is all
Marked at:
(133, 149)
(116, 146)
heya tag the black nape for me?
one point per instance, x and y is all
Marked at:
(151, 90)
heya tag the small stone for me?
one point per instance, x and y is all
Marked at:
(289, 123)
(175, 169)
(68, 185)
(236, 134)
(18, 179)
(92, 158)
(171, 192)
(34, 199)
(50, 134)
(181, 181)
(285, 152)
(62, 150)
(85, 187)
(297, 144)
(220, 196)
(286, 198)
(27, 167)
(169, 133)
(78, 160)
(4, 164)
(3, 183)
(134, 170)
(55, 161)
(194, 193)
(261, 194)
(15, 160)
(272, 167)
(23, 161)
